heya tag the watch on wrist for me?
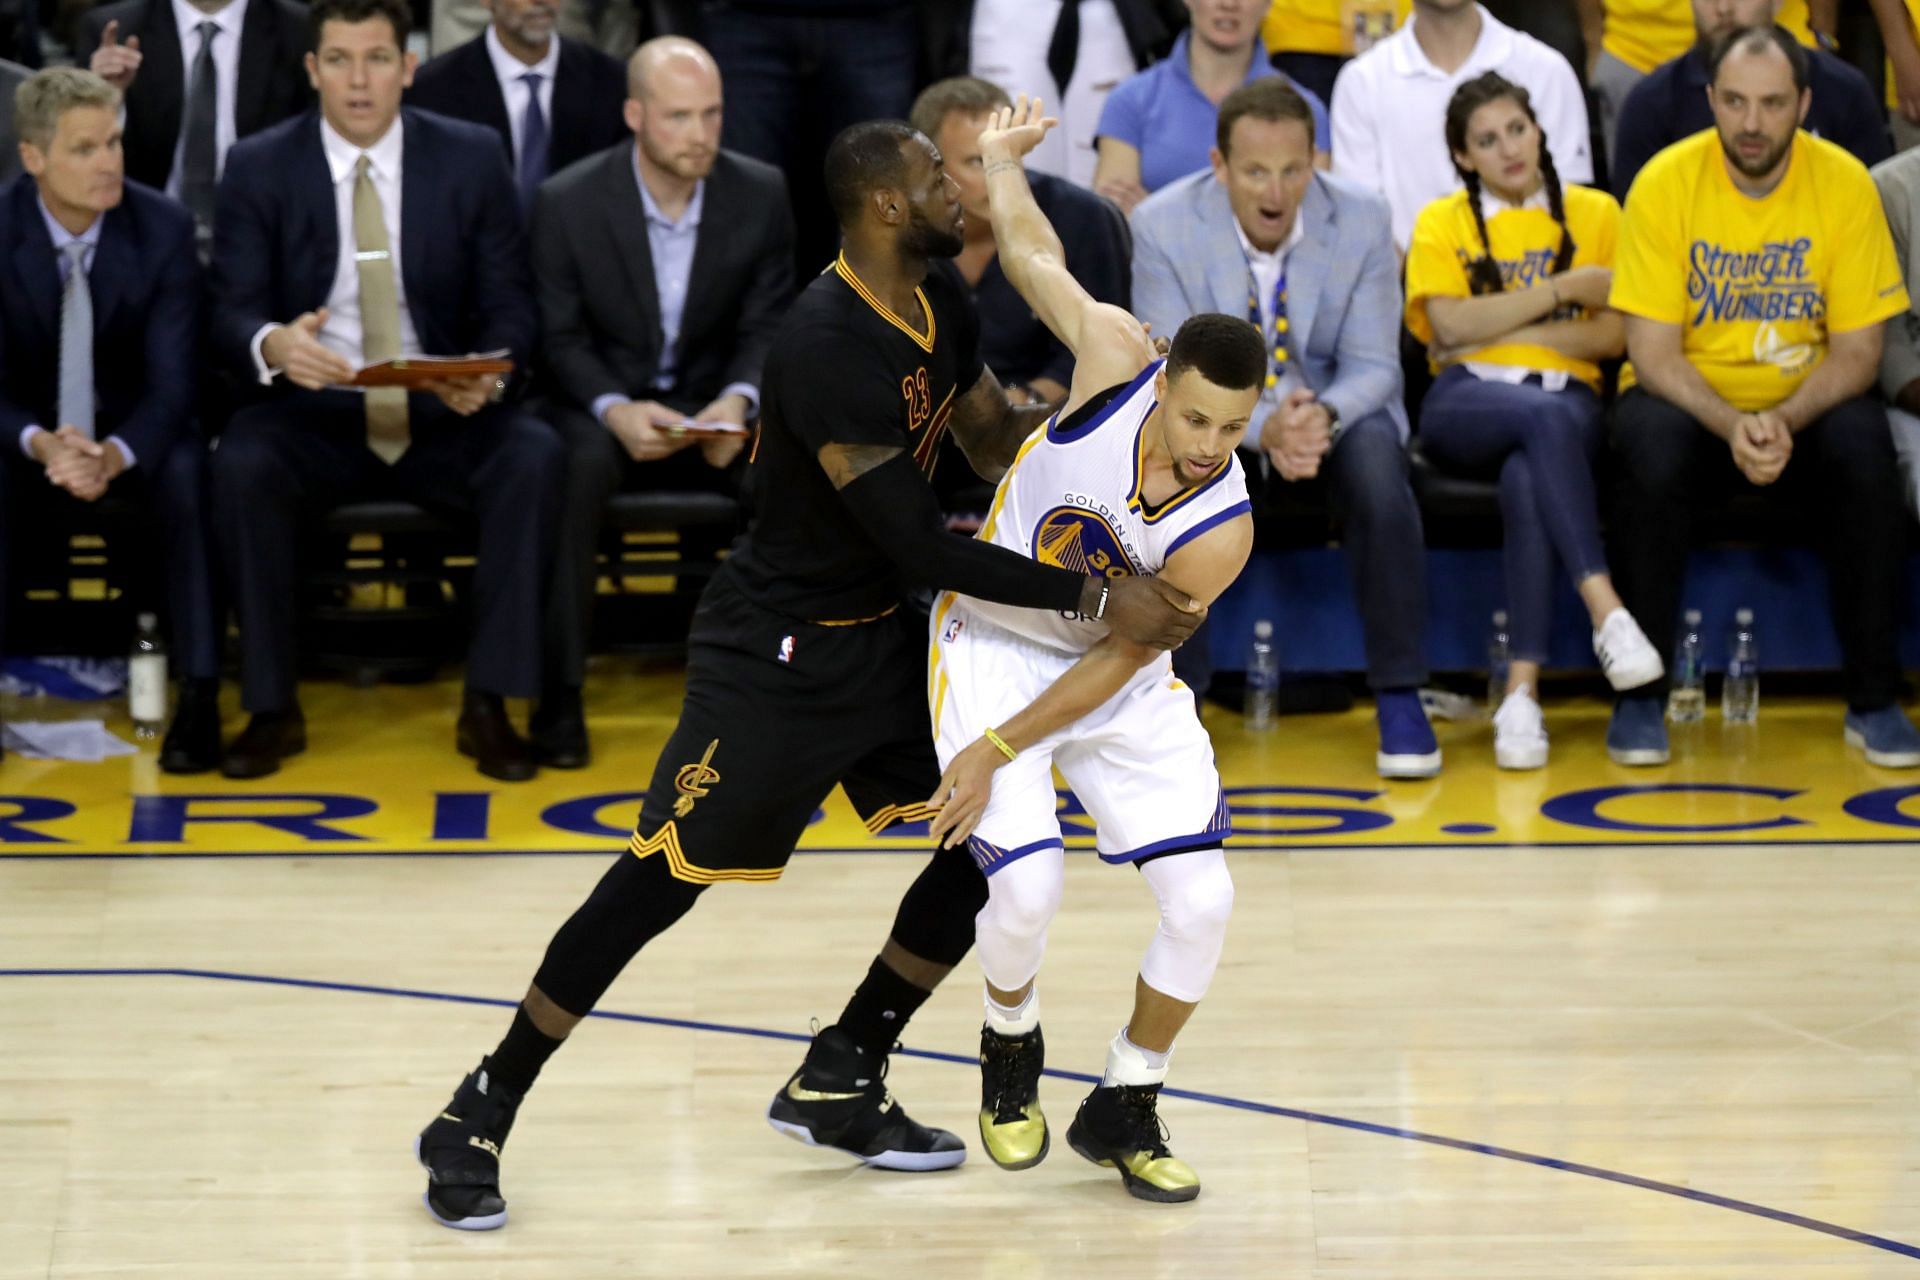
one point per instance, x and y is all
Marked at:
(1334, 425)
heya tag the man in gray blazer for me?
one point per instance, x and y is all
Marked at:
(1310, 259)
(12, 76)
(662, 267)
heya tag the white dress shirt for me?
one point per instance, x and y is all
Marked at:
(513, 90)
(226, 79)
(61, 238)
(1266, 266)
(1008, 47)
(1390, 111)
(342, 332)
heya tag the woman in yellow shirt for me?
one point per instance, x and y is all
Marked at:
(1507, 284)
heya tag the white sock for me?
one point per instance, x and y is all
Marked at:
(1017, 1020)
(1128, 1063)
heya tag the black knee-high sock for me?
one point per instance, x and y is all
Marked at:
(934, 923)
(880, 1007)
(522, 1052)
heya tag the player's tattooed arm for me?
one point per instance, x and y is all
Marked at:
(845, 463)
(991, 428)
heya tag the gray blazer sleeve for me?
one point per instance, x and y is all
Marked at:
(1368, 376)
(1900, 353)
(1158, 296)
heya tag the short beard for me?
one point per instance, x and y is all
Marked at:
(1765, 166)
(922, 239)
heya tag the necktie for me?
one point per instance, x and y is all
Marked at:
(533, 141)
(387, 430)
(76, 344)
(199, 156)
(1064, 47)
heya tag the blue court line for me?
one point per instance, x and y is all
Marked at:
(329, 852)
(1214, 1099)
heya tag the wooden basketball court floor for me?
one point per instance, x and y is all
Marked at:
(1585, 1023)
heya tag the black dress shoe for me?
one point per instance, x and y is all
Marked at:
(559, 730)
(269, 738)
(485, 733)
(192, 744)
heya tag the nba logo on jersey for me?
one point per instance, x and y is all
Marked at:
(786, 649)
(953, 630)
(1083, 541)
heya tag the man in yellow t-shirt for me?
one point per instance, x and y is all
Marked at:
(1900, 32)
(1756, 274)
(1311, 40)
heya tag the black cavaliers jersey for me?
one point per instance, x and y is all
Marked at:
(847, 370)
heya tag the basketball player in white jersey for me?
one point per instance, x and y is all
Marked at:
(1136, 474)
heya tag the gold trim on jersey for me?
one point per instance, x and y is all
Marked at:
(927, 452)
(859, 286)
(1006, 482)
(888, 612)
(667, 840)
(936, 676)
(884, 818)
(1136, 501)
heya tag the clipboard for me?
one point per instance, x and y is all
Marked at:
(415, 372)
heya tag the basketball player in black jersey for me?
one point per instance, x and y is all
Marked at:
(804, 671)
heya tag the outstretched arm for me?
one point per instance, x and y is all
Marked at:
(1109, 346)
(1204, 568)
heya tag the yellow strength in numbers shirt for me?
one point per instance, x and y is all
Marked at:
(1756, 285)
(1645, 33)
(1525, 243)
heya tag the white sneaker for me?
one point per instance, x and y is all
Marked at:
(1519, 732)
(1626, 655)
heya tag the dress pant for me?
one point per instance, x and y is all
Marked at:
(597, 467)
(167, 493)
(1842, 479)
(283, 464)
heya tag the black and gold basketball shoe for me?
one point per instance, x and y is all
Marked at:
(1119, 1127)
(838, 1099)
(1012, 1128)
(460, 1150)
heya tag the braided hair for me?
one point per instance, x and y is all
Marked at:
(1483, 273)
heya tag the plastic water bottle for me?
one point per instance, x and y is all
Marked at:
(1263, 678)
(1740, 695)
(1499, 656)
(1687, 699)
(147, 679)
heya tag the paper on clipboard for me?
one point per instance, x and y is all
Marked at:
(414, 372)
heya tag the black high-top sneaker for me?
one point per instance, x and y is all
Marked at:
(1012, 1128)
(460, 1151)
(838, 1099)
(1119, 1127)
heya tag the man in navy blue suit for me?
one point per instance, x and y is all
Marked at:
(349, 235)
(99, 310)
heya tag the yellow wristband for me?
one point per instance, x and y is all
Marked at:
(1001, 743)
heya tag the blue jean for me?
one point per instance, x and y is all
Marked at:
(1542, 445)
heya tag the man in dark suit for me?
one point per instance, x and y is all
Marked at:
(662, 267)
(350, 235)
(222, 70)
(99, 315)
(551, 99)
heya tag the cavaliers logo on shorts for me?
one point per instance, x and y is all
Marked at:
(1071, 538)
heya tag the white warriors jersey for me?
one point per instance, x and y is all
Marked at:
(1072, 499)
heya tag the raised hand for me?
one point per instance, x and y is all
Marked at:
(114, 62)
(1013, 131)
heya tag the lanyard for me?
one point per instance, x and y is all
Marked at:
(1280, 355)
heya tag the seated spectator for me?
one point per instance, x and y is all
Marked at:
(1756, 274)
(12, 76)
(1390, 102)
(662, 267)
(222, 70)
(1072, 54)
(1309, 259)
(800, 71)
(552, 99)
(1671, 103)
(1310, 40)
(1155, 126)
(1034, 366)
(1899, 183)
(320, 267)
(1507, 284)
(99, 320)
(1899, 22)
